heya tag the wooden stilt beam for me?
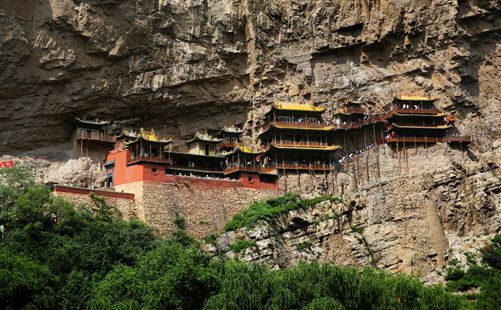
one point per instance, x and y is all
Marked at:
(368, 156)
(377, 155)
(285, 180)
(357, 171)
(406, 158)
(398, 155)
(326, 181)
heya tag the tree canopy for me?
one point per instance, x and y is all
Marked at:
(57, 255)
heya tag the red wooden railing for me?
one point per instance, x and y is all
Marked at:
(430, 111)
(249, 169)
(303, 167)
(299, 144)
(462, 139)
(300, 124)
(151, 159)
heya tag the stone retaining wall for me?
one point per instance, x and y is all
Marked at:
(205, 208)
(124, 202)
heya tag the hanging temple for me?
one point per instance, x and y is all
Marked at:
(294, 139)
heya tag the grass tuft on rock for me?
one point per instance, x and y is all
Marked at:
(240, 245)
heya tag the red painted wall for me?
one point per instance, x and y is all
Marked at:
(87, 191)
(156, 173)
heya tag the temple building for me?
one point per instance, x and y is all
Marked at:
(202, 159)
(295, 137)
(137, 156)
(348, 116)
(245, 164)
(231, 137)
(145, 145)
(92, 139)
(417, 120)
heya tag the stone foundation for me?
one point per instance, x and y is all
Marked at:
(124, 202)
(205, 208)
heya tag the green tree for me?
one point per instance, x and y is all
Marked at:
(171, 276)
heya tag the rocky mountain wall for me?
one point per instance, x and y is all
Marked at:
(414, 222)
(183, 65)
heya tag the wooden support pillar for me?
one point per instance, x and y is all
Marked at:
(377, 155)
(357, 166)
(368, 155)
(398, 155)
(326, 181)
(285, 179)
(426, 146)
(406, 158)
(298, 179)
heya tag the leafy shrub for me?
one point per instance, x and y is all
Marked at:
(486, 278)
(272, 208)
(305, 245)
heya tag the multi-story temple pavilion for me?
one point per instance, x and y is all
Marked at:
(417, 120)
(245, 164)
(349, 116)
(145, 145)
(92, 138)
(202, 159)
(295, 137)
(231, 137)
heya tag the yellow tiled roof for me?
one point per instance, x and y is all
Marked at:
(144, 134)
(242, 148)
(149, 135)
(416, 98)
(297, 107)
(246, 149)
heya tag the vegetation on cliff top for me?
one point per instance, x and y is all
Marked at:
(272, 208)
(57, 255)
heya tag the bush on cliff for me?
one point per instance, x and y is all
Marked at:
(272, 208)
(481, 282)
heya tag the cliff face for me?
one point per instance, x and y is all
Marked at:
(443, 205)
(182, 65)
(179, 65)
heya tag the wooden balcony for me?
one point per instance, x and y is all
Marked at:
(450, 139)
(432, 111)
(95, 136)
(150, 159)
(299, 144)
(194, 169)
(227, 144)
(308, 167)
(266, 170)
(305, 125)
